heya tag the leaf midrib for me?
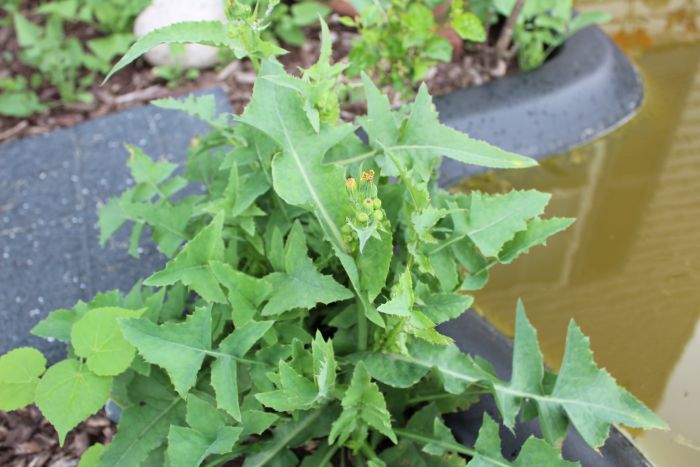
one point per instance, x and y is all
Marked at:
(508, 390)
(307, 181)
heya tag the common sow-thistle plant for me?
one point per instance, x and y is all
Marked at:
(295, 321)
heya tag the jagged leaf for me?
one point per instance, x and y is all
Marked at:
(212, 33)
(179, 348)
(325, 366)
(534, 451)
(591, 397)
(296, 392)
(301, 285)
(299, 177)
(201, 107)
(144, 426)
(245, 293)
(363, 406)
(207, 434)
(401, 301)
(192, 265)
(224, 369)
(492, 220)
(424, 137)
(290, 434)
(537, 233)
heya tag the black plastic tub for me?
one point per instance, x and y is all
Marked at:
(586, 90)
(474, 335)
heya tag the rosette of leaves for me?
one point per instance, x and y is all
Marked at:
(266, 337)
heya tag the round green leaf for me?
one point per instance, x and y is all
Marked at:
(69, 393)
(92, 455)
(469, 27)
(19, 374)
(98, 338)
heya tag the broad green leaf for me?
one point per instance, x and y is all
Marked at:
(528, 368)
(288, 435)
(20, 370)
(68, 393)
(325, 366)
(207, 434)
(192, 266)
(393, 369)
(92, 455)
(201, 107)
(301, 286)
(299, 177)
(438, 438)
(224, 369)
(295, 393)
(374, 262)
(143, 427)
(423, 136)
(591, 397)
(212, 33)
(189, 448)
(20, 104)
(224, 380)
(407, 451)
(441, 307)
(245, 293)
(456, 370)
(534, 452)
(380, 123)
(469, 26)
(401, 301)
(492, 220)
(363, 406)
(179, 348)
(537, 233)
(350, 267)
(145, 170)
(97, 338)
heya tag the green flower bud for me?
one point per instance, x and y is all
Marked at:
(378, 215)
(346, 229)
(347, 238)
(362, 217)
(377, 203)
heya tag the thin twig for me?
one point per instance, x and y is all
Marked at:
(7, 134)
(509, 27)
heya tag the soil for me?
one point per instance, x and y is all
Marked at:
(29, 440)
(137, 84)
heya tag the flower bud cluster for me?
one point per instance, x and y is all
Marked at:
(367, 209)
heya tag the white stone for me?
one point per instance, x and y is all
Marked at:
(166, 12)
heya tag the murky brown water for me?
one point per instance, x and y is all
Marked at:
(628, 270)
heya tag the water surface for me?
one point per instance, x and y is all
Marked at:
(628, 271)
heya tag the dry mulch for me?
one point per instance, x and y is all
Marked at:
(28, 440)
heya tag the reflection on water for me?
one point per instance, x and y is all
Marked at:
(628, 270)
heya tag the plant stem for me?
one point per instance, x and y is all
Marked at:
(361, 327)
(369, 452)
(456, 447)
(509, 27)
